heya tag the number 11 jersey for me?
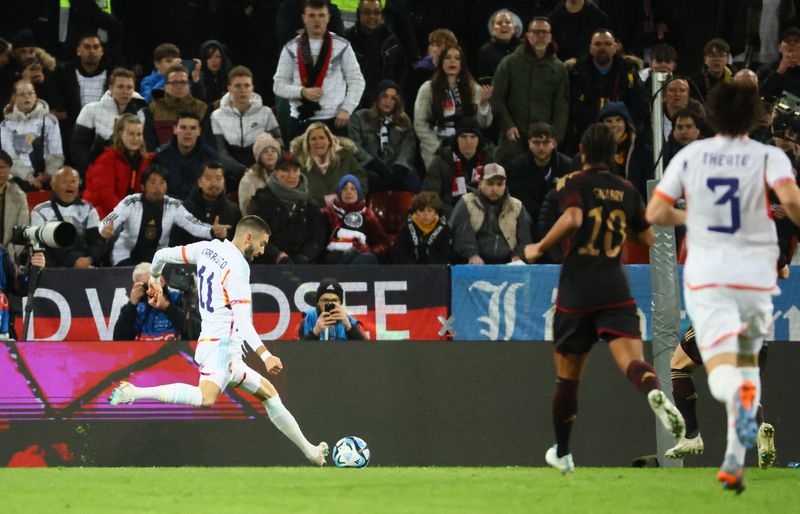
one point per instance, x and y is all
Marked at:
(592, 277)
(731, 237)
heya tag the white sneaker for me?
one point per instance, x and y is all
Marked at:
(668, 414)
(123, 393)
(765, 441)
(322, 453)
(563, 464)
(693, 446)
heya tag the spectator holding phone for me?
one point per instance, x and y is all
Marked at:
(329, 320)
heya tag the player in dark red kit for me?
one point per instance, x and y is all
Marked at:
(594, 301)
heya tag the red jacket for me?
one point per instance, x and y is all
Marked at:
(377, 241)
(110, 178)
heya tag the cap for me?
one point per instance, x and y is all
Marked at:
(790, 32)
(468, 126)
(287, 159)
(330, 285)
(493, 170)
(24, 39)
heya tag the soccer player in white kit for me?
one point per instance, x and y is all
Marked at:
(225, 303)
(730, 272)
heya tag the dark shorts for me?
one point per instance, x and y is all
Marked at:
(577, 332)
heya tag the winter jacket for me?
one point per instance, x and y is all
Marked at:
(207, 211)
(364, 236)
(363, 129)
(321, 185)
(17, 133)
(127, 218)
(297, 230)
(379, 55)
(253, 179)
(529, 182)
(71, 89)
(572, 32)
(236, 132)
(15, 212)
(439, 178)
(527, 90)
(342, 87)
(773, 84)
(48, 90)
(495, 232)
(95, 127)
(162, 115)
(212, 86)
(184, 170)
(492, 53)
(412, 246)
(150, 83)
(430, 137)
(110, 178)
(143, 322)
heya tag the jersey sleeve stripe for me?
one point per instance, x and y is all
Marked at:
(664, 196)
(237, 302)
(781, 180)
(225, 277)
(183, 254)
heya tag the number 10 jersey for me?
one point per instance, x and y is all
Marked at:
(731, 237)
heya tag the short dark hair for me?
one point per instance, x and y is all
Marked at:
(155, 168)
(717, 44)
(166, 50)
(541, 128)
(6, 158)
(598, 144)
(239, 71)
(602, 30)
(176, 68)
(664, 52)
(189, 114)
(120, 73)
(253, 223)
(734, 108)
(687, 112)
(316, 4)
(426, 199)
(212, 165)
(89, 35)
(540, 18)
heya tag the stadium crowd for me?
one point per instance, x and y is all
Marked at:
(373, 143)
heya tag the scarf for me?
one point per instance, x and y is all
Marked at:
(312, 74)
(451, 109)
(348, 231)
(426, 229)
(475, 176)
(621, 155)
(434, 229)
(386, 123)
(289, 196)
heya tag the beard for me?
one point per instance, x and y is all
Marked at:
(602, 59)
(250, 252)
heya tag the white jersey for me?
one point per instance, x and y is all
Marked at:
(731, 236)
(223, 289)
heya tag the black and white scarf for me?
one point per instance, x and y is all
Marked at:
(386, 123)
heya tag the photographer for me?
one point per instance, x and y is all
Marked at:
(329, 321)
(13, 282)
(152, 316)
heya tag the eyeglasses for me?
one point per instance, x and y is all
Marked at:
(178, 82)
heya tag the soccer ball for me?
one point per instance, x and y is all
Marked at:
(351, 452)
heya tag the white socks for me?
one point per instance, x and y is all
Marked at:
(285, 422)
(171, 393)
(723, 382)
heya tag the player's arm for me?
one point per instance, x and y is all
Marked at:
(646, 237)
(569, 221)
(789, 195)
(661, 210)
(186, 254)
(241, 304)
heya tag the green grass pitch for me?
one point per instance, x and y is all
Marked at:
(389, 490)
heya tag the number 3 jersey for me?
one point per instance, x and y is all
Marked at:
(592, 277)
(731, 238)
(223, 288)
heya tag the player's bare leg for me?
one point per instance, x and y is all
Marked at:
(629, 356)
(569, 369)
(685, 396)
(285, 422)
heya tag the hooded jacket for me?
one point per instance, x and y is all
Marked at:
(95, 127)
(18, 131)
(236, 132)
(212, 86)
(110, 178)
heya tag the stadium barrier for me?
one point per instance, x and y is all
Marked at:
(425, 404)
(490, 303)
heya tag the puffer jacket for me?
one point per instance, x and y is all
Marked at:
(110, 178)
(236, 132)
(95, 126)
(319, 184)
(18, 131)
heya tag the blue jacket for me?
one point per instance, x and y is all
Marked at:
(143, 322)
(153, 81)
(310, 319)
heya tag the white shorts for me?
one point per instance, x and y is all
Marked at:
(729, 320)
(221, 362)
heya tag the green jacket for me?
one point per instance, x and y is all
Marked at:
(321, 185)
(527, 90)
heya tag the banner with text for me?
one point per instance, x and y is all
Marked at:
(391, 302)
(516, 303)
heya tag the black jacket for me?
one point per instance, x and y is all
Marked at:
(206, 211)
(184, 170)
(773, 84)
(425, 251)
(380, 56)
(529, 183)
(298, 231)
(491, 54)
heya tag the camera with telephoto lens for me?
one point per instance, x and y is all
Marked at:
(787, 115)
(53, 234)
(181, 280)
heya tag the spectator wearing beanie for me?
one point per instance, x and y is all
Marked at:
(329, 320)
(266, 151)
(356, 234)
(458, 165)
(386, 141)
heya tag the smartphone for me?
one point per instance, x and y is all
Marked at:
(189, 63)
(329, 307)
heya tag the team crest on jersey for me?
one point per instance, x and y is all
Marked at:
(354, 219)
(150, 231)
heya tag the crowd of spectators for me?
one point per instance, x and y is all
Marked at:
(151, 132)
